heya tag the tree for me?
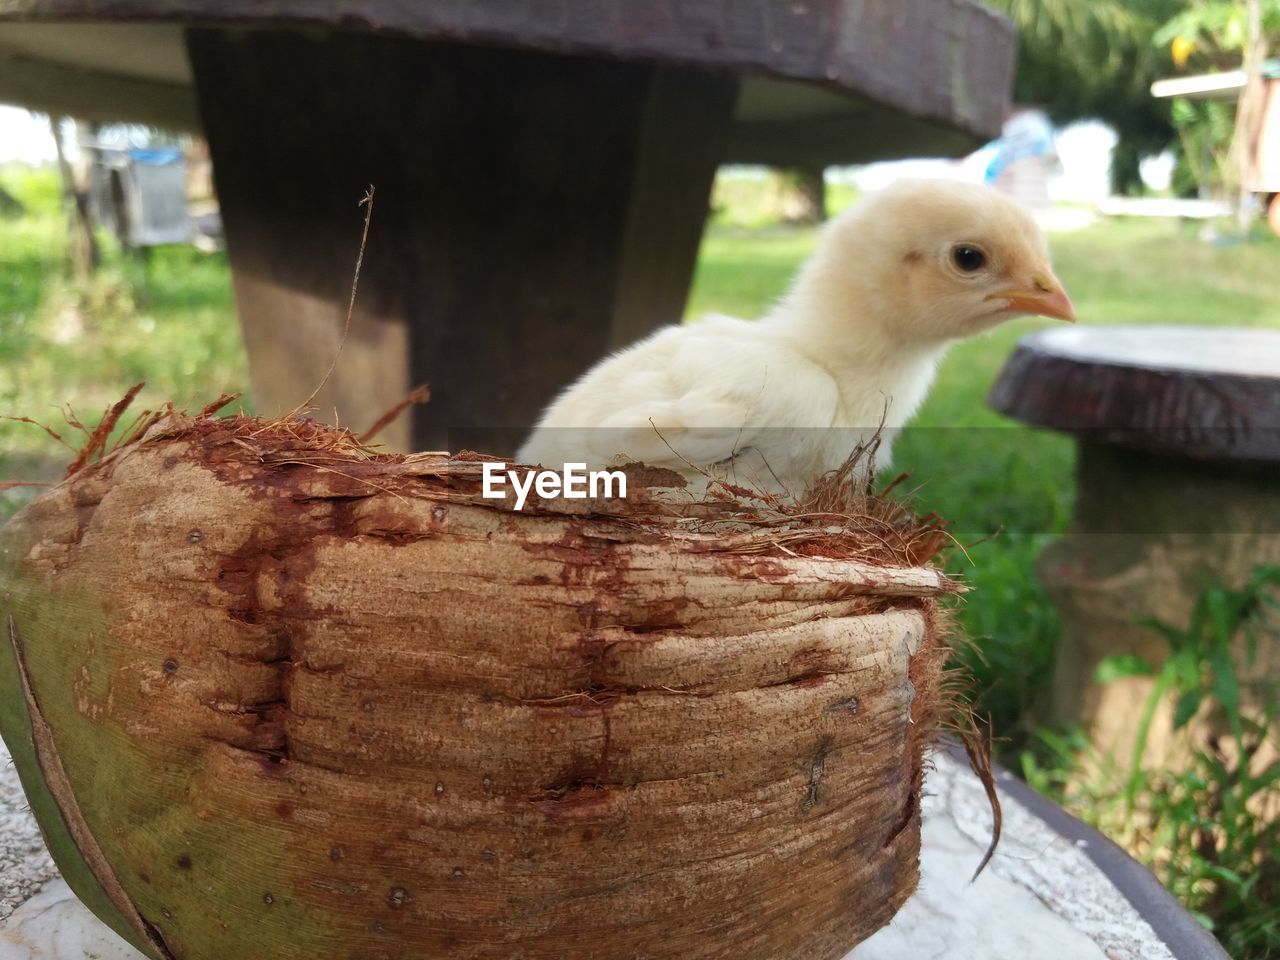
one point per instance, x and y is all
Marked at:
(82, 248)
(804, 194)
(1229, 34)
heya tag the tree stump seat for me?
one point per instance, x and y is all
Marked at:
(1178, 467)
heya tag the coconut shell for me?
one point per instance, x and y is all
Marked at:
(273, 696)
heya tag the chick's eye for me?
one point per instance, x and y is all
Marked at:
(968, 258)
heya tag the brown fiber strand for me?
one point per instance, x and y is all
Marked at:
(209, 409)
(37, 423)
(367, 203)
(97, 441)
(420, 394)
(977, 748)
(958, 717)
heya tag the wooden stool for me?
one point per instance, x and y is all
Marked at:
(1178, 469)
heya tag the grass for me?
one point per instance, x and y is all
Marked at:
(1208, 826)
(167, 319)
(170, 320)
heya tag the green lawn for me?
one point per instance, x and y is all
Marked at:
(168, 320)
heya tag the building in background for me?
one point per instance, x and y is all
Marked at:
(1025, 159)
(1262, 177)
(140, 194)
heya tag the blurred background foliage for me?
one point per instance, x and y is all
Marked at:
(1081, 60)
(165, 317)
(1097, 59)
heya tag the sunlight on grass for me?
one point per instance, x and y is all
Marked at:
(742, 271)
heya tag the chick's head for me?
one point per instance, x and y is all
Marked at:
(938, 260)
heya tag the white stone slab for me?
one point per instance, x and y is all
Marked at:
(24, 863)
(1040, 897)
(54, 925)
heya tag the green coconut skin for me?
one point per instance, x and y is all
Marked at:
(19, 737)
(162, 847)
(58, 633)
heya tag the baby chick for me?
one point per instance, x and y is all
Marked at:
(852, 347)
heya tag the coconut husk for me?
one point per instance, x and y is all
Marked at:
(276, 694)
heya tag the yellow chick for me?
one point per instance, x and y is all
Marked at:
(852, 346)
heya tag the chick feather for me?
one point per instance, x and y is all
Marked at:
(850, 351)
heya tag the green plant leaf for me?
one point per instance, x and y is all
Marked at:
(1223, 874)
(1187, 706)
(1225, 686)
(1185, 667)
(1220, 613)
(1267, 777)
(1203, 919)
(1174, 637)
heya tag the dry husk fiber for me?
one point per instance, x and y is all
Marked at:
(274, 695)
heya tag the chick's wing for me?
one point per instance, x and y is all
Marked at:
(702, 397)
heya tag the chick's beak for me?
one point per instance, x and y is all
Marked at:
(1043, 297)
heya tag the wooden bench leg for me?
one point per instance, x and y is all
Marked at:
(533, 210)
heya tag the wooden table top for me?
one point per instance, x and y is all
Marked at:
(1209, 393)
(824, 82)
